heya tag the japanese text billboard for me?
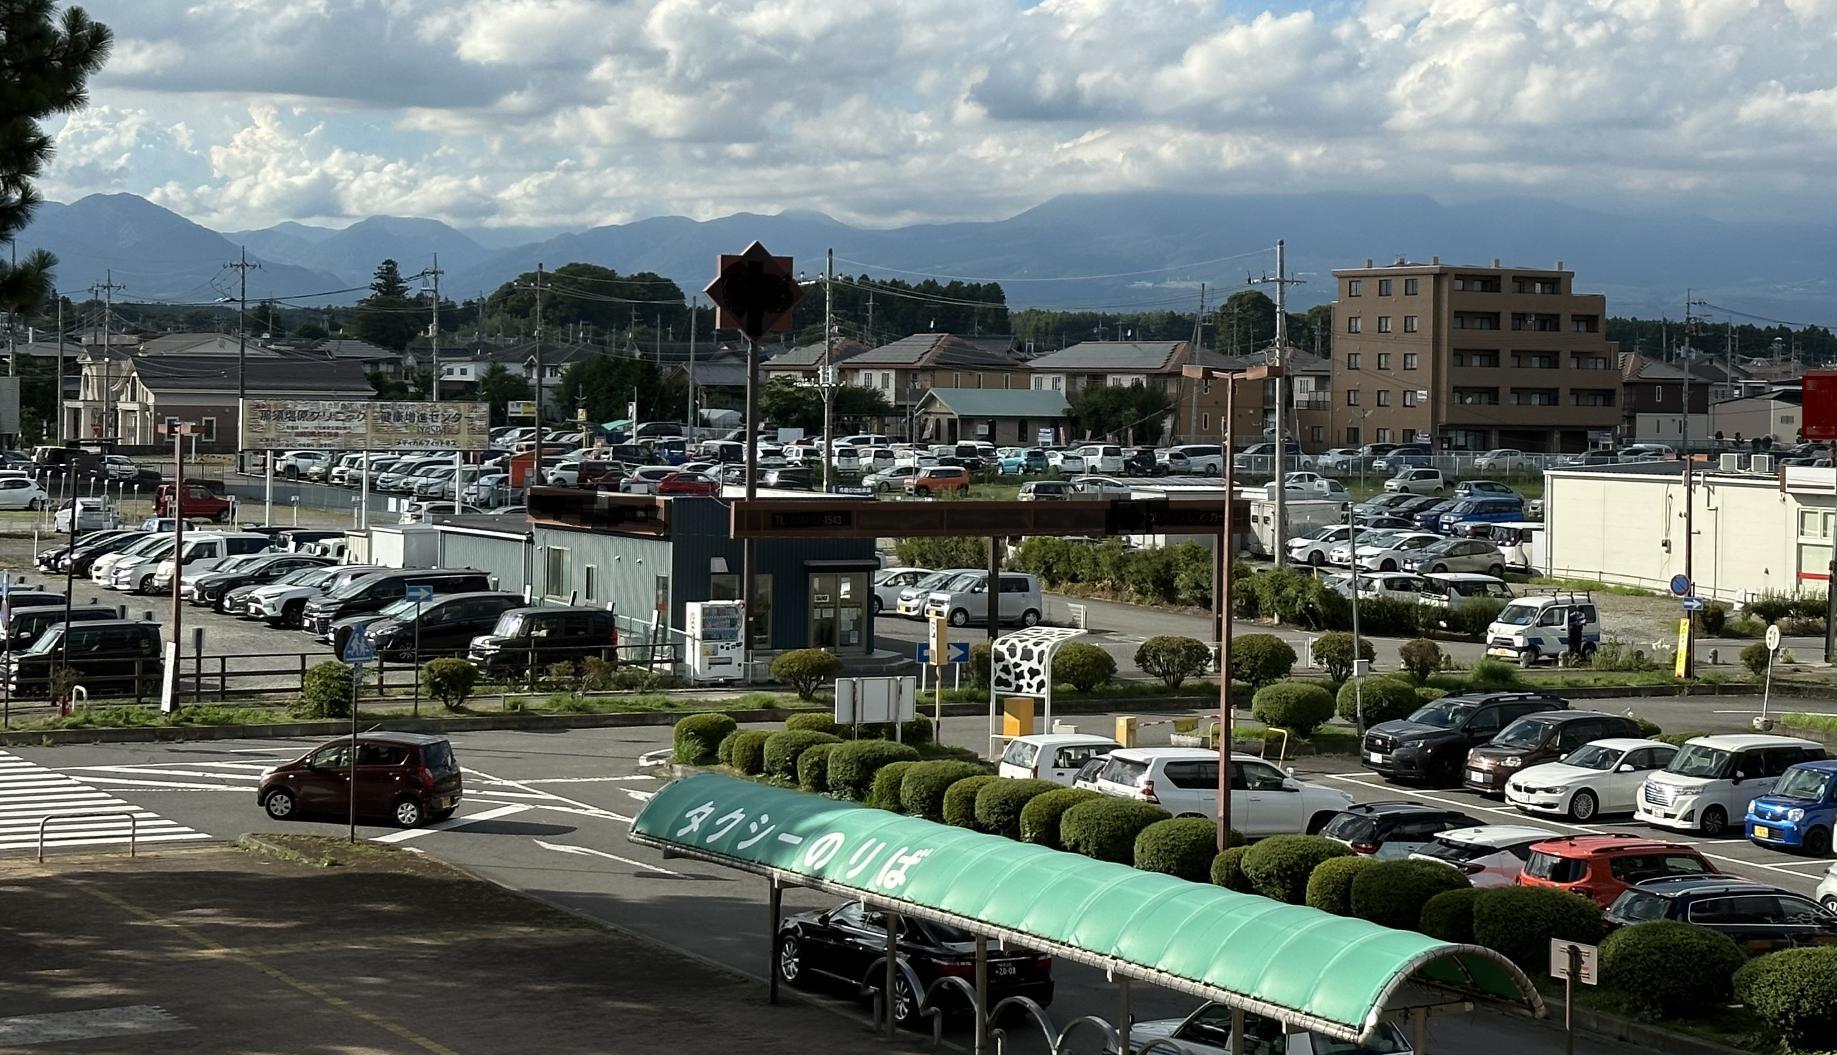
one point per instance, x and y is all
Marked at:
(358, 424)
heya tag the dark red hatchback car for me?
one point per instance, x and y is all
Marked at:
(410, 778)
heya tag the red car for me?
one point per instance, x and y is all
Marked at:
(687, 484)
(409, 778)
(1599, 867)
(939, 478)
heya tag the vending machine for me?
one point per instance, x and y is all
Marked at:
(717, 648)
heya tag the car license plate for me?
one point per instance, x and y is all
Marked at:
(1005, 970)
(1760, 832)
(1476, 776)
(1376, 757)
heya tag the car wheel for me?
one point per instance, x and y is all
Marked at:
(1436, 569)
(1030, 618)
(963, 492)
(279, 804)
(905, 1003)
(1583, 805)
(1817, 842)
(1528, 658)
(874, 606)
(36, 504)
(407, 814)
(1497, 571)
(959, 617)
(791, 959)
(922, 492)
(1714, 822)
(223, 516)
(1389, 565)
(1588, 651)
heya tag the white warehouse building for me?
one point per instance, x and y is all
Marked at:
(1758, 529)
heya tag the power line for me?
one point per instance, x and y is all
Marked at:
(1058, 278)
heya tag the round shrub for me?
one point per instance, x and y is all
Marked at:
(1260, 659)
(1297, 706)
(1228, 869)
(697, 737)
(724, 751)
(783, 748)
(1083, 666)
(1667, 968)
(1278, 867)
(1384, 699)
(1428, 695)
(1392, 893)
(1490, 674)
(1041, 815)
(325, 692)
(1519, 921)
(883, 790)
(813, 768)
(748, 751)
(1105, 827)
(805, 670)
(1334, 652)
(852, 764)
(1330, 884)
(982, 663)
(1715, 617)
(814, 721)
(960, 801)
(921, 792)
(1795, 992)
(449, 680)
(1449, 916)
(999, 805)
(1181, 846)
(1421, 657)
(1754, 657)
(1173, 659)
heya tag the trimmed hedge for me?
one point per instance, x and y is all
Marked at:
(697, 738)
(921, 792)
(999, 805)
(1393, 893)
(748, 751)
(1298, 706)
(325, 692)
(1449, 916)
(1330, 884)
(883, 790)
(1041, 815)
(724, 752)
(1261, 659)
(1519, 921)
(960, 801)
(1333, 651)
(1228, 869)
(1795, 992)
(783, 748)
(1278, 867)
(813, 768)
(1105, 827)
(1667, 968)
(805, 670)
(1181, 846)
(814, 721)
(1084, 666)
(852, 765)
(1421, 657)
(1173, 659)
(1385, 700)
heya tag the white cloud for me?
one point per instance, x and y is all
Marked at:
(245, 112)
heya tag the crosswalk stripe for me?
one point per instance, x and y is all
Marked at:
(80, 814)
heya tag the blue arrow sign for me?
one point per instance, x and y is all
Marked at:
(959, 651)
(358, 648)
(418, 592)
(1695, 604)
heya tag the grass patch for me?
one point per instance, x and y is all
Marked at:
(1732, 1027)
(1811, 723)
(1592, 586)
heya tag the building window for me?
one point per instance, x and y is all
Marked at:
(1409, 397)
(1384, 360)
(1466, 440)
(1354, 287)
(1384, 287)
(1352, 360)
(1483, 359)
(1409, 360)
(210, 429)
(1535, 397)
(724, 586)
(1535, 322)
(1588, 362)
(1384, 436)
(1409, 324)
(1384, 324)
(1471, 397)
(759, 616)
(1584, 323)
(1412, 286)
(1592, 397)
(1205, 423)
(1352, 324)
(1317, 434)
(1476, 283)
(1352, 397)
(1352, 436)
(1415, 436)
(557, 576)
(1534, 360)
(1384, 397)
(590, 584)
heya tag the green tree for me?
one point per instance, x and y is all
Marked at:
(854, 407)
(595, 296)
(387, 317)
(791, 405)
(604, 384)
(499, 387)
(266, 318)
(1131, 414)
(1246, 322)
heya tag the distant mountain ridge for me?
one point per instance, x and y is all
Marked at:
(1120, 251)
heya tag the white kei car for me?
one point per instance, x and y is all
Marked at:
(1603, 776)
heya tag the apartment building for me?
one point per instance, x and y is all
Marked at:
(1471, 358)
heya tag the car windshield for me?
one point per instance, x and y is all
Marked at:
(1443, 714)
(1699, 760)
(934, 580)
(1518, 615)
(147, 545)
(961, 581)
(1592, 756)
(1523, 733)
(1636, 906)
(308, 577)
(1454, 853)
(403, 609)
(1350, 827)
(1805, 784)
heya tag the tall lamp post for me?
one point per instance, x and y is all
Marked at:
(1228, 468)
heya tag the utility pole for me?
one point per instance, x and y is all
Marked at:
(1194, 386)
(58, 432)
(434, 333)
(870, 318)
(1278, 538)
(1690, 501)
(108, 287)
(689, 414)
(535, 469)
(242, 266)
(829, 369)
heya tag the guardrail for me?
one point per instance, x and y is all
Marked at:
(133, 827)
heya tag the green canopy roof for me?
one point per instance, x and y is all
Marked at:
(1316, 970)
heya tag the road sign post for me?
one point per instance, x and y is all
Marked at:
(1571, 961)
(358, 650)
(420, 593)
(1764, 723)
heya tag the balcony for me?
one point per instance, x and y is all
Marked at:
(1313, 401)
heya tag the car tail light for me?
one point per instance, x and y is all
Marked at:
(1044, 963)
(614, 638)
(1473, 869)
(427, 776)
(1365, 848)
(1034, 772)
(1148, 791)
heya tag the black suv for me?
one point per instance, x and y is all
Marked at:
(1542, 737)
(210, 588)
(109, 656)
(447, 624)
(1432, 744)
(1393, 828)
(379, 590)
(527, 637)
(25, 625)
(1759, 917)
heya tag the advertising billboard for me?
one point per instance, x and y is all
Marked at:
(358, 424)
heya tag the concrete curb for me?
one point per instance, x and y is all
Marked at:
(1626, 1030)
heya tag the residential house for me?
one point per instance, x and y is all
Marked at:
(1005, 417)
(1776, 414)
(1652, 395)
(805, 362)
(903, 371)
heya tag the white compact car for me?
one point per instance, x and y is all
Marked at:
(1711, 779)
(1052, 756)
(911, 601)
(1390, 554)
(1184, 781)
(1207, 1031)
(1489, 855)
(22, 492)
(1827, 889)
(889, 583)
(1313, 547)
(1599, 777)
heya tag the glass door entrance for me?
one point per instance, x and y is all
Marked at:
(838, 612)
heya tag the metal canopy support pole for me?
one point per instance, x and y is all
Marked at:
(751, 485)
(1125, 1018)
(363, 496)
(982, 996)
(1237, 1031)
(1224, 627)
(1419, 1031)
(268, 487)
(994, 590)
(774, 912)
(886, 994)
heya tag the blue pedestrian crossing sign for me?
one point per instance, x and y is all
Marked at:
(418, 592)
(358, 648)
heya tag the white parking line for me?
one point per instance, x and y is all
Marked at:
(450, 822)
(584, 780)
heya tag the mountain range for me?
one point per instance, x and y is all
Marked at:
(1120, 251)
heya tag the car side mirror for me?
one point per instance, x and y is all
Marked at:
(1624, 767)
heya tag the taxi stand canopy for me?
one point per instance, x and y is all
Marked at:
(1306, 968)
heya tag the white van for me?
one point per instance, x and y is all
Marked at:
(963, 600)
(1052, 756)
(1184, 781)
(1521, 543)
(1536, 627)
(1710, 780)
(1102, 458)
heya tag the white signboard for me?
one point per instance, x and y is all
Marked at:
(359, 424)
(520, 408)
(1585, 960)
(876, 700)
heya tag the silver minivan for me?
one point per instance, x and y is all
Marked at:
(965, 600)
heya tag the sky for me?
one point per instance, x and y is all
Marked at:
(573, 113)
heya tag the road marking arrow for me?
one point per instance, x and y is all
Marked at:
(586, 851)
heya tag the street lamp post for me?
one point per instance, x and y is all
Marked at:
(1228, 469)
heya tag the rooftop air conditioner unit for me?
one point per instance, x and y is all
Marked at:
(1729, 463)
(1761, 463)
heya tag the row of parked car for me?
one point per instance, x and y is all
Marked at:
(960, 595)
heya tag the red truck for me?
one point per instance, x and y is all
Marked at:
(198, 503)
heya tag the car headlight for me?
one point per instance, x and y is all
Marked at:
(1511, 763)
(1414, 744)
(1795, 815)
(1751, 803)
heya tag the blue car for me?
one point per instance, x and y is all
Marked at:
(1017, 463)
(1489, 509)
(1430, 519)
(1799, 812)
